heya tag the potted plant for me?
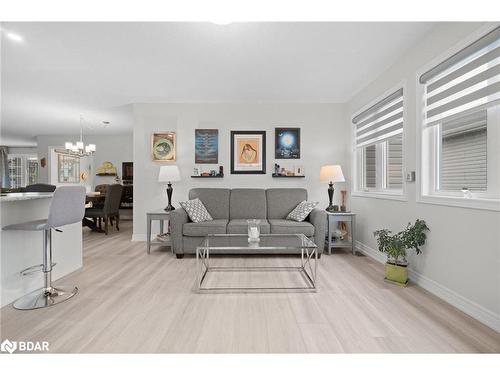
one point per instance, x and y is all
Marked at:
(395, 246)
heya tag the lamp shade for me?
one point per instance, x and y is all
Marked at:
(331, 173)
(169, 173)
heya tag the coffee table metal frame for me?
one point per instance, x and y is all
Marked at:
(308, 255)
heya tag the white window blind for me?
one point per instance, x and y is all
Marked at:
(463, 162)
(381, 121)
(370, 167)
(464, 83)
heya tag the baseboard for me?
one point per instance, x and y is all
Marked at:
(462, 303)
(139, 238)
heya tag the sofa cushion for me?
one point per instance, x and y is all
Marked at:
(240, 226)
(217, 226)
(281, 226)
(196, 210)
(248, 204)
(280, 202)
(302, 211)
(216, 201)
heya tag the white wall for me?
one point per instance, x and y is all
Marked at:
(113, 148)
(324, 139)
(461, 262)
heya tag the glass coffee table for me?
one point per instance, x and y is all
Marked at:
(294, 265)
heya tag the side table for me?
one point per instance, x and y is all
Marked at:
(333, 219)
(162, 216)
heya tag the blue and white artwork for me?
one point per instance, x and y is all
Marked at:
(206, 146)
(287, 143)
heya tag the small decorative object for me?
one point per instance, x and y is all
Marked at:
(335, 208)
(248, 152)
(163, 146)
(196, 171)
(253, 230)
(331, 174)
(68, 168)
(298, 170)
(106, 169)
(84, 175)
(287, 143)
(43, 162)
(395, 246)
(205, 174)
(169, 174)
(283, 172)
(276, 169)
(343, 194)
(221, 171)
(213, 173)
(206, 149)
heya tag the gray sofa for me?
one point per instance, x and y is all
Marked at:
(230, 208)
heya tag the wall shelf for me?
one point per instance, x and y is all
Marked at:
(207, 176)
(280, 176)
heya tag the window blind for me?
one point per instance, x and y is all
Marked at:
(395, 162)
(464, 83)
(370, 167)
(381, 121)
(464, 153)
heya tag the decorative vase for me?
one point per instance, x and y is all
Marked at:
(253, 230)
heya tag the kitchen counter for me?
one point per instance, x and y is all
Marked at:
(23, 249)
(11, 197)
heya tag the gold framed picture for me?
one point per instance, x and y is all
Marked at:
(163, 147)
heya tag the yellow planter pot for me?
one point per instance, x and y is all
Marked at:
(396, 274)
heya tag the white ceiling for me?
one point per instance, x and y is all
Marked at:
(62, 70)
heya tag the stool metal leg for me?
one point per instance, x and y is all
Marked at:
(48, 295)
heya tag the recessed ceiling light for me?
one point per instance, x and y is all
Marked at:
(15, 37)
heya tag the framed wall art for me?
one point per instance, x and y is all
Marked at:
(248, 152)
(163, 147)
(206, 146)
(68, 169)
(287, 143)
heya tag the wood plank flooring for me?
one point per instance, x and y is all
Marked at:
(132, 302)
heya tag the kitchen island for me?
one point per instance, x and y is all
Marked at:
(23, 249)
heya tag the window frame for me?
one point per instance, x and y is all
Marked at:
(357, 156)
(427, 147)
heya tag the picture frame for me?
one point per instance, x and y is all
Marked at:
(206, 146)
(248, 152)
(68, 169)
(287, 143)
(298, 170)
(163, 147)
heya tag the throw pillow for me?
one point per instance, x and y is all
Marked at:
(196, 210)
(302, 210)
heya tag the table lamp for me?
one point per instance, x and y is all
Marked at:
(169, 174)
(331, 174)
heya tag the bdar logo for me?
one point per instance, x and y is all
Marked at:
(8, 346)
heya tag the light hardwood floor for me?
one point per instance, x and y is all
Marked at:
(132, 302)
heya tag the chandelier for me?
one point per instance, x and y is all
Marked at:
(79, 148)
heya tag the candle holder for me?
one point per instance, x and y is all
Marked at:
(253, 230)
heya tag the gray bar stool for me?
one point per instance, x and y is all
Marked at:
(67, 207)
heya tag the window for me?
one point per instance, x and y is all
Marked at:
(378, 146)
(460, 126)
(23, 170)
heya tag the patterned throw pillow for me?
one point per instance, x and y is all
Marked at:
(300, 212)
(196, 210)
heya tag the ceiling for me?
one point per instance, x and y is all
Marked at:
(62, 70)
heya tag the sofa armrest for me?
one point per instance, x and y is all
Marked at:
(318, 218)
(178, 218)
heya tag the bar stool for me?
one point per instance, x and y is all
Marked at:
(67, 207)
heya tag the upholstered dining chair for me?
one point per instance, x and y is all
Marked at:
(110, 208)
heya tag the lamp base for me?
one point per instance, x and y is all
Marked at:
(169, 208)
(330, 208)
